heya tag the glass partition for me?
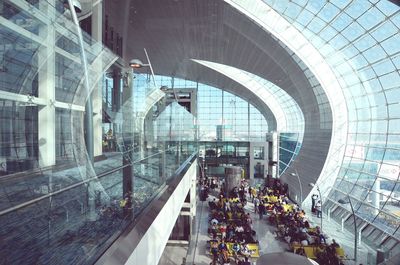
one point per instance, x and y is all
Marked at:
(56, 205)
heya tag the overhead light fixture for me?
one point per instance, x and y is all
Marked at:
(136, 63)
(163, 88)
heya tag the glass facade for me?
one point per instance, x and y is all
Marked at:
(287, 114)
(356, 44)
(221, 115)
(57, 206)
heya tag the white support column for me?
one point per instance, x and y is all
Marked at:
(97, 120)
(359, 237)
(193, 192)
(375, 196)
(193, 202)
(329, 213)
(97, 28)
(46, 77)
(275, 155)
(342, 225)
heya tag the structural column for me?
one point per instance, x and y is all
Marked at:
(97, 31)
(128, 140)
(375, 195)
(46, 91)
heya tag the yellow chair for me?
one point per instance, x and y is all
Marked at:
(287, 207)
(340, 253)
(273, 199)
(312, 230)
(309, 250)
(254, 250)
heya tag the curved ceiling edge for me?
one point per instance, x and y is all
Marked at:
(282, 115)
(279, 27)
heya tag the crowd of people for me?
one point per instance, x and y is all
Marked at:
(230, 226)
(293, 225)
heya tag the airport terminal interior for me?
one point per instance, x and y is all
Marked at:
(174, 132)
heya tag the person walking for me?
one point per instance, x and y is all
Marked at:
(314, 198)
(318, 209)
(261, 209)
(256, 203)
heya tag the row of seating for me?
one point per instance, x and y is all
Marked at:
(230, 230)
(249, 249)
(313, 251)
(294, 228)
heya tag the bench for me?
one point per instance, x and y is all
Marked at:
(312, 251)
(253, 248)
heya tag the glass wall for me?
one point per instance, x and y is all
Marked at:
(356, 42)
(223, 116)
(287, 114)
(57, 206)
(362, 48)
(289, 147)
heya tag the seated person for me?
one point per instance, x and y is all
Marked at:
(212, 204)
(235, 249)
(223, 248)
(239, 229)
(304, 242)
(245, 261)
(213, 230)
(310, 239)
(322, 256)
(303, 230)
(227, 206)
(214, 248)
(334, 244)
(214, 221)
(222, 230)
(220, 203)
(245, 251)
(248, 219)
(230, 231)
(322, 239)
(222, 245)
(229, 215)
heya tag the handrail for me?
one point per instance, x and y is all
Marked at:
(101, 175)
(364, 220)
(140, 225)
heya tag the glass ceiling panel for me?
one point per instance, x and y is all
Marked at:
(364, 31)
(363, 59)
